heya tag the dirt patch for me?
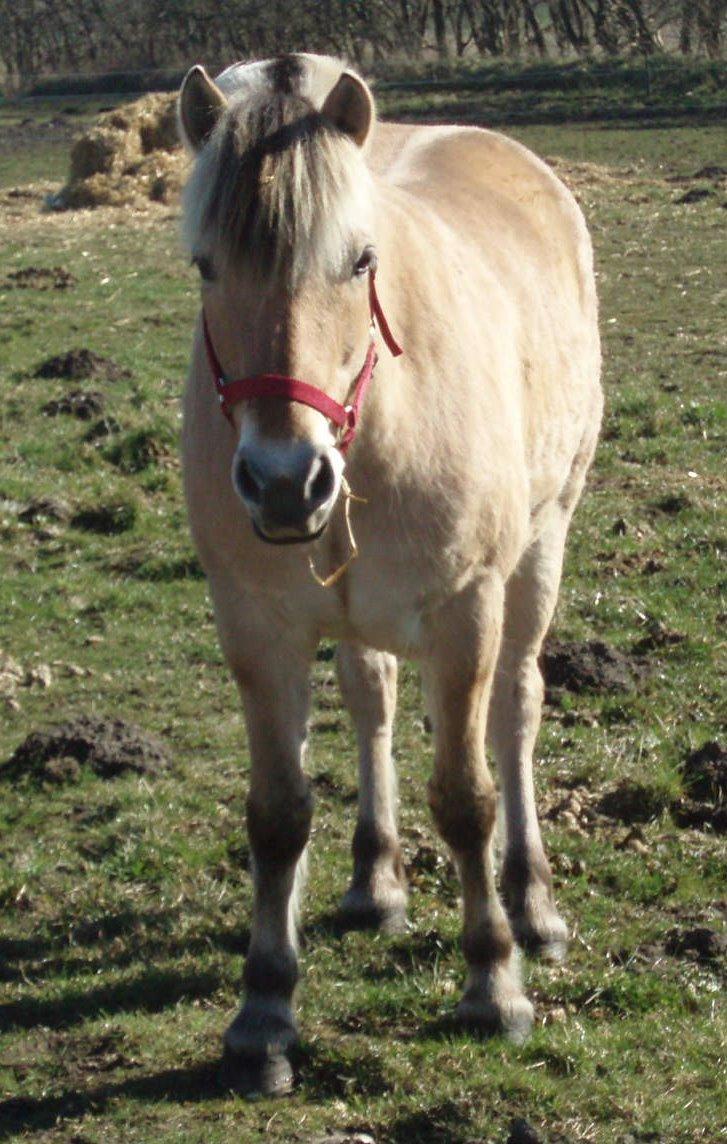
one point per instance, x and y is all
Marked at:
(632, 802)
(672, 503)
(80, 365)
(700, 943)
(102, 429)
(109, 747)
(588, 666)
(659, 637)
(695, 195)
(705, 772)
(691, 812)
(107, 519)
(40, 278)
(523, 1133)
(701, 807)
(45, 508)
(79, 403)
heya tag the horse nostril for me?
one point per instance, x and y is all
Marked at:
(322, 484)
(248, 485)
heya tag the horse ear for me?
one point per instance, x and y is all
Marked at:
(200, 106)
(349, 106)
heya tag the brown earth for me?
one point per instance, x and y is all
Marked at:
(79, 403)
(40, 278)
(80, 365)
(588, 666)
(110, 747)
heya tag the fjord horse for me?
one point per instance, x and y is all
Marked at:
(326, 244)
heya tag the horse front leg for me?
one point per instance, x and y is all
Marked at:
(377, 895)
(259, 1043)
(465, 638)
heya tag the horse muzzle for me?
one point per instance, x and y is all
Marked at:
(289, 490)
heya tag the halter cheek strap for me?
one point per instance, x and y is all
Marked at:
(345, 417)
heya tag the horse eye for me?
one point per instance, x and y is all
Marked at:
(205, 267)
(367, 261)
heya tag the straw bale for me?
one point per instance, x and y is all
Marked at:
(101, 151)
(158, 124)
(131, 156)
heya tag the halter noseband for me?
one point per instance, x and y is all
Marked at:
(345, 417)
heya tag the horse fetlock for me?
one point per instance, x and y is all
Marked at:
(376, 855)
(494, 1002)
(377, 897)
(540, 929)
(528, 893)
(271, 974)
(279, 830)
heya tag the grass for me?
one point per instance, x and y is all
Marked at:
(125, 903)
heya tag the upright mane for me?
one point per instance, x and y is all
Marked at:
(277, 185)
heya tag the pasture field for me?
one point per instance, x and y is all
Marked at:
(124, 899)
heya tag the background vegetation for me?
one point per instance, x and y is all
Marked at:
(42, 36)
(124, 898)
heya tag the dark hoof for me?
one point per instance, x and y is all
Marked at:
(389, 921)
(513, 1019)
(256, 1076)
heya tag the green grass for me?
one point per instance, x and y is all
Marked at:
(125, 903)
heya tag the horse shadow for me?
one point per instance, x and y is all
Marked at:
(190, 1085)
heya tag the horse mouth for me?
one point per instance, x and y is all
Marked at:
(292, 538)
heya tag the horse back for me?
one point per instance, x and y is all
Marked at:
(496, 194)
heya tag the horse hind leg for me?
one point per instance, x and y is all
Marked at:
(513, 725)
(376, 897)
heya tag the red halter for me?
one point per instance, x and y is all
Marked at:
(279, 385)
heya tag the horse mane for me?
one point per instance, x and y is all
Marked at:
(277, 182)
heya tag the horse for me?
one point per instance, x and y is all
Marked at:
(391, 408)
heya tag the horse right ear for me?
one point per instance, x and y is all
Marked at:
(350, 107)
(200, 106)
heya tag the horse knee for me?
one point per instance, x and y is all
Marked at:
(367, 680)
(278, 829)
(465, 817)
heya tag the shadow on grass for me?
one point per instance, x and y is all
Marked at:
(324, 1075)
(148, 993)
(148, 939)
(181, 1086)
(444, 1123)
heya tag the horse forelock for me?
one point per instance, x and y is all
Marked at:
(277, 185)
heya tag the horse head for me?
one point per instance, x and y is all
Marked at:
(279, 221)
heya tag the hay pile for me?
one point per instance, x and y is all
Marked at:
(132, 156)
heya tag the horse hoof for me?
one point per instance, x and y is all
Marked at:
(255, 1076)
(368, 915)
(512, 1019)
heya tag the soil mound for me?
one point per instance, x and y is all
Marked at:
(79, 403)
(110, 747)
(40, 278)
(705, 772)
(588, 666)
(80, 365)
(131, 156)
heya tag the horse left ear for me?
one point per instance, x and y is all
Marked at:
(349, 106)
